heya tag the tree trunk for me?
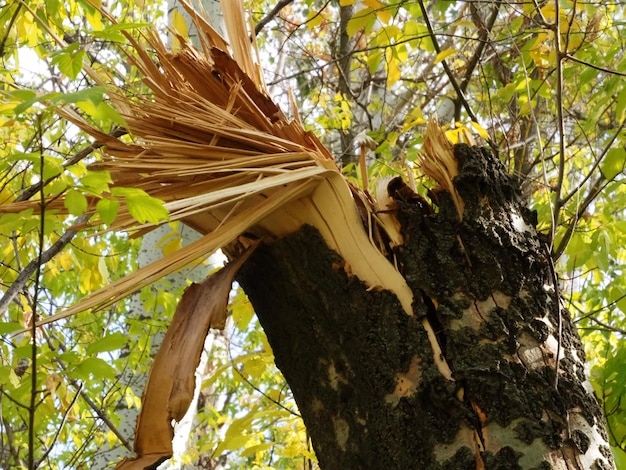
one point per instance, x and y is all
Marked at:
(363, 372)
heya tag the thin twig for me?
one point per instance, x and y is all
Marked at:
(597, 67)
(32, 464)
(450, 75)
(569, 26)
(483, 37)
(257, 389)
(597, 310)
(444, 63)
(60, 427)
(93, 405)
(558, 203)
(595, 165)
(595, 189)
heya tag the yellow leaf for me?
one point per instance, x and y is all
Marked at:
(346, 3)
(171, 246)
(384, 15)
(362, 20)
(313, 19)
(373, 4)
(480, 130)
(94, 19)
(26, 30)
(453, 135)
(465, 23)
(179, 24)
(549, 12)
(393, 69)
(6, 195)
(103, 270)
(444, 54)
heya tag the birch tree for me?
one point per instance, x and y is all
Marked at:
(421, 320)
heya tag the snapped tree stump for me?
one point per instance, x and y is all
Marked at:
(364, 373)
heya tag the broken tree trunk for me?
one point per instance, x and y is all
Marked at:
(363, 373)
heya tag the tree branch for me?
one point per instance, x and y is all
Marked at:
(27, 272)
(595, 189)
(32, 408)
(32, 190)
(451, 77)
(8, 30)
(459, 92)
(593, 66)
(558, 203)
(271, 15)
(595, 165)
(58, 431)
(482, 43)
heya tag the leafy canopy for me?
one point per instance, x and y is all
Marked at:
(542, 83)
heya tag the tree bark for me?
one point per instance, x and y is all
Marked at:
(363, 372)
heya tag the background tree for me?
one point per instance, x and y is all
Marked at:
(553, 104)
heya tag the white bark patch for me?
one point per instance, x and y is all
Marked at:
(578, 424)
(518, 223)
(406, 383)
(496, 437)
(534, 355)
(551, 345)
(342, 431)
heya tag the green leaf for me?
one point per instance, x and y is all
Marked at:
(620, 107)
(69, 357)
(23, 106)
(364, 19)
(255, 366)
(97, 182)
(9, 327)
(101, 111)
(8, 375)
(231, 443)
(52, 166)
(17, 222)
(122, 191)
(70, 60)
(146, 209)
(75, 202)
(613, 163)
(96, 367)
(242, 313)
(110, 342)
(107, 209)
(415, 29)
(93, 95)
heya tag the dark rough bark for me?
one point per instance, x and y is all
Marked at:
(362, 370)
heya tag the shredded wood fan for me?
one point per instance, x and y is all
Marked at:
(226, 160)
(210, 143)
